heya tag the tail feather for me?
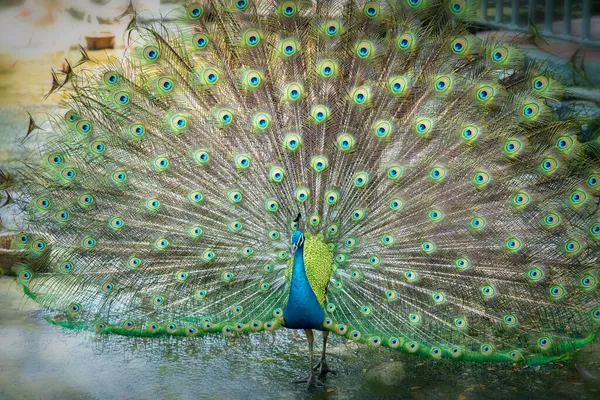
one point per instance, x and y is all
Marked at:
(462, 210)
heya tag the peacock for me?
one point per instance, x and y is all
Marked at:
(370, 169)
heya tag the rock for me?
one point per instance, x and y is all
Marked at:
(388, 374)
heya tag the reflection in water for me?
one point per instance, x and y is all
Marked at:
(39, 360)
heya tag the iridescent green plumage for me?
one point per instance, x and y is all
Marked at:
(449, 211)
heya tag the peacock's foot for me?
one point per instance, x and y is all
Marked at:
(311, 380)
(323, 369)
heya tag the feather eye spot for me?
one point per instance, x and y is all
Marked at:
(462, 264)
(410, 276)
(556, 292)
(456, 7)
(136, 130)
(320, 114)
(195, 232)
(332, 229)
(261, 121)
(315, 219)
(520, 200)
(346, 143)
(161, 244)
(121, 98)
(428, 247)
(499, 55)
(459, 45)
(179, 122)
(565, 143)
(510, 320)
(397, 85)
(361, 179)
(383, 129)
(134, 262)
(412, 347)
(577, 198)
(110, 78)
(535, 274)
(396, 204)
(234, 197)
(374, 261)
(332, 197)
(194, 11)
(74, 308)
(22, 238)
(391, 295)
(65, 267)
(540, 83)
(165, 84)
(116, 223)
(486, 349)
(544, 343)
(512, 148)
(200, 40)
(549, 165)
(151, 53)
(271, 205)
(289, 10)
(531, 110)
(242, 162)
(485, 93)
(405, 41)
(25, 275)
(371, 9)
(252, 37)
(88, 243)
(460, 323)
(595, 230)
(442, 84)
(423, 127)
(513, 244)
(302, 194)
(588, 281)
(71, 116)
(55, 159)
(488, 291)
(276, 174)
(572, 247)
(84, 126)
(292, 142)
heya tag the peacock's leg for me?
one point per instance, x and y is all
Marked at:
(322, 367)
(312, 378)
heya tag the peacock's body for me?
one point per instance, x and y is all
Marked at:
(445, 209)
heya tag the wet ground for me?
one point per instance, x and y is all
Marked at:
(42, 361)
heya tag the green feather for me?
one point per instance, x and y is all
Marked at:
(449, 211)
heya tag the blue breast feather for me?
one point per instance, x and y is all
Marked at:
(303, 310)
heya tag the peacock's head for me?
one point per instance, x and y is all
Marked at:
(297, 240)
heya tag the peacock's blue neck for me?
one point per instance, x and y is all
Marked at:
(303, 310)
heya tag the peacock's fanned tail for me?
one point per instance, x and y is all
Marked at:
(461, 210)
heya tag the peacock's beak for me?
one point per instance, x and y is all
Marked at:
(294, 248)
